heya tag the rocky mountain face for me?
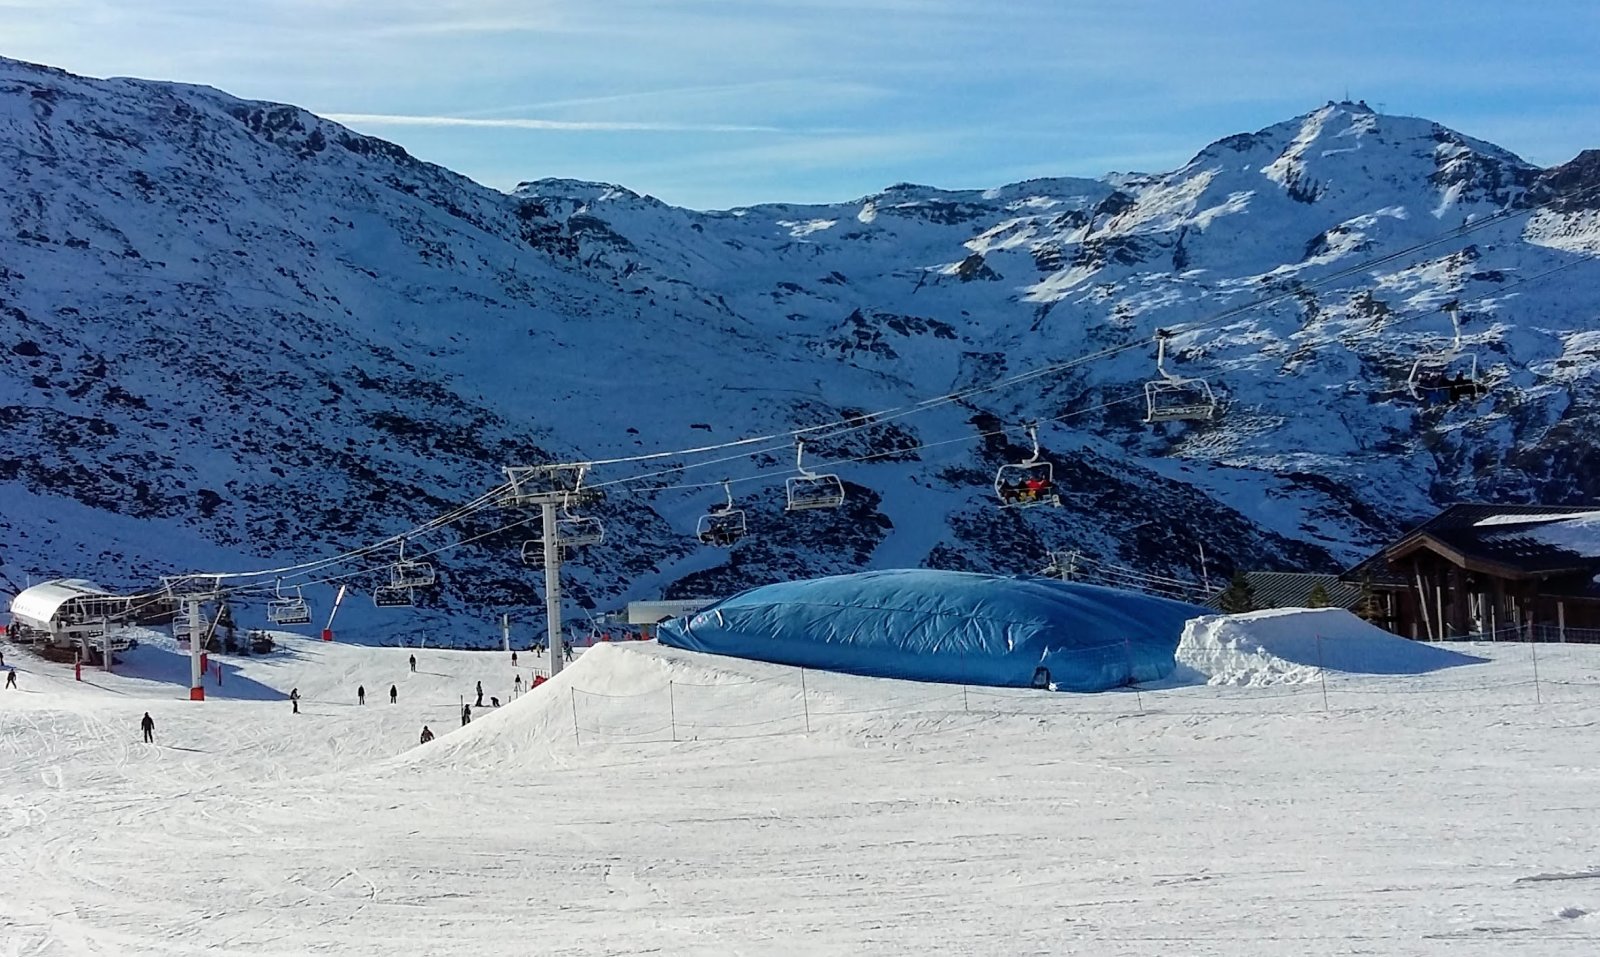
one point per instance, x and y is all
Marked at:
(234, 336)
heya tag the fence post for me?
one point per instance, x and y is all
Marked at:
(1138, 695)
(1322, 674)
(964, 706)
(575, 738)
(1533, 646)
(672, 710)
(805, 704)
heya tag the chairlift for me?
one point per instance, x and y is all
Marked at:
(577, 531)
(392, 596)
(1173, 397)
(1027, 483)
(282, 610)
(724, 525)
(408, 575)
(1449, 376)
(810, 490)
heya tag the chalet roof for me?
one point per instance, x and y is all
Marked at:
(1515, 541)
(1293, 590)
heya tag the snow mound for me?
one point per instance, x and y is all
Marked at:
(1293, 645)
(617, 694)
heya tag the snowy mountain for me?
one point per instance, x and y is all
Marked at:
(235, 335)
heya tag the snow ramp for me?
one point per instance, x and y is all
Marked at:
(1295, 646)
(621, 694)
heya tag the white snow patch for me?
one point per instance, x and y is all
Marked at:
(800, 230)
(1295, 646)
(1532, 519)
(1579, 534)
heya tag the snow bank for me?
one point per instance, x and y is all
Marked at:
(1292, 645)
(617, 694)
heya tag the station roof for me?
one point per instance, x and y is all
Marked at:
(36, 605)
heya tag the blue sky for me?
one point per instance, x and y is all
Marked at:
(716, 103)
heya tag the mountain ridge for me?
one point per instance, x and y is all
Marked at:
(263, 337)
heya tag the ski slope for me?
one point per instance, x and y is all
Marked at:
(1437, 813)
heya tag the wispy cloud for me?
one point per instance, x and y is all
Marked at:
(524, 123)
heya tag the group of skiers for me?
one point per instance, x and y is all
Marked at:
(1032, 489)
(147, 724)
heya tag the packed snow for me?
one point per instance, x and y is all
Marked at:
(1298, 645)
(649, 800)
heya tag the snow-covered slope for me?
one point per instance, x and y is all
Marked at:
(232, 333)
(652, 801)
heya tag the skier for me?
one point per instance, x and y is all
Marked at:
(394, 694)
(361, 694)
(566, 650)
(11, 679)
(148, 726)
(426, 734)
(294, 699)
(513, 659)
(479, 703)
(516, 685)
(466, 715)
(413, 664)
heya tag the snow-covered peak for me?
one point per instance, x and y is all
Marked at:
(235, 333)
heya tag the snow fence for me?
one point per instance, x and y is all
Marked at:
(929, 625)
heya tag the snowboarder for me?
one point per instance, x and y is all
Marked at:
(537, 681)
(479, 703)
(516, 685)
(566, 650)
(361, 694)
(394, 694)
(513, 659)
(494, 702)
(148, 726)
(413, 664)
(466, 715)
(11, 679)
(294, 699)
(426, 734)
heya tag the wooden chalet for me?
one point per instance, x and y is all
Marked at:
(1508, 572)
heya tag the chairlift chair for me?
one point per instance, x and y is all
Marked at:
(724, 525)
(533, 552)
(392, 596)
(810, 490)
(577, 532)
(1174, 398)
(282, 610)
(1027, 483)
(404, 574)
(1448, 376)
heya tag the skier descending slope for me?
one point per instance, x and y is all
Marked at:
(148, 726)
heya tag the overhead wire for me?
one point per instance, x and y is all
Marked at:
(858, 422)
